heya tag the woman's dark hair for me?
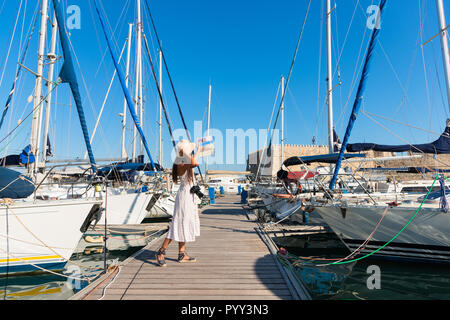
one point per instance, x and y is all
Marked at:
(175, 173)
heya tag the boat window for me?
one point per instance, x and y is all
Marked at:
(420, 189)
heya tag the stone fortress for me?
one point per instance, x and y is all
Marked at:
(272, 163)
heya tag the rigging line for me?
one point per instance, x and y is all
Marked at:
(106, 98)
(124, 10)
(358, 97)
(32, 112)
(18, 70)
(89, 96)
(290, 72)
(405, 141)
(3, 6)
(268, 130)
(167, 69)
(20, 81)
(405, 124)
(11, 41)
(421, 27)
(346, 37)
(413, 61)
(439, 81)
(316, 129)
(355, 75)
(159, 90)
(357, 70)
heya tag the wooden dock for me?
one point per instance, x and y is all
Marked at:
(234, 262)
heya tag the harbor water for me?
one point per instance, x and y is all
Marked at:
(87, 263)
(356, 280)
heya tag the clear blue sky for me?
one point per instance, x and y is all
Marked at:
(243, 47)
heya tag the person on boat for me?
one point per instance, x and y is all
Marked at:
(185, 225)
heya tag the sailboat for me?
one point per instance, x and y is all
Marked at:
(286, 198)
(404, 227)
(135, 189)
(41, 235)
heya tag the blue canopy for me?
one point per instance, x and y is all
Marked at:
(25, 158)
(440, 146)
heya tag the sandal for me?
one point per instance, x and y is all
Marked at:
(181, 259)
(162, 262)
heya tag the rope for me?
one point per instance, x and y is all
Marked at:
(395, 237)
(88, 279)
(110, 283)
(42, 242)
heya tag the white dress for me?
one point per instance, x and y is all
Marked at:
(185, 225)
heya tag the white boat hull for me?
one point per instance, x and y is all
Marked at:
(43, 234)
(125, 208)
(426, 238)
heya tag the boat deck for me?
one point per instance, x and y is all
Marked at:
(233, 262)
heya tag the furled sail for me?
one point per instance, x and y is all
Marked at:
(68, 75)
(440, 146)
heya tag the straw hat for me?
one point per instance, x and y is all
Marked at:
(184, 150)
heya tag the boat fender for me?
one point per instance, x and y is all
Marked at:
(94, 215)
(153, 201)
(344, 212)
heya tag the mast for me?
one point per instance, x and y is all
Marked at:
(138, 106)
(209, 124)
(124, 114)
(160, 110)
(141, 97)
(51, 68)
(282, 121)
(37, 115)
(444, 43)
(330, 80)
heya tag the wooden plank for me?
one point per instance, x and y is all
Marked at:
(203, 292)
(196, 286)
(205, 297)
(197, 280)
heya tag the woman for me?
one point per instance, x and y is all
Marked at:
(185, 225)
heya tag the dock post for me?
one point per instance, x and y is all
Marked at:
(212, 195)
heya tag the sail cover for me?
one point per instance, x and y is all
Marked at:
(23, 159)
(325, 158)
(14, 185)
(440, 146)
